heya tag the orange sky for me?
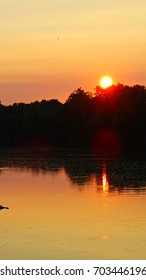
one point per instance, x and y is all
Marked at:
(50, 48)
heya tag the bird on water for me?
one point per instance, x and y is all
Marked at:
(3, 207)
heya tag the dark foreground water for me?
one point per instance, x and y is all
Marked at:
(72, 205)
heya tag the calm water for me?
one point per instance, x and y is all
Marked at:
(70, 205)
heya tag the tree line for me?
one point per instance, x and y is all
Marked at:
(111, 118)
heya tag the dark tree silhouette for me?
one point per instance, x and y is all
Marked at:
(109, 118)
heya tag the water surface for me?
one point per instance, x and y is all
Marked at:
(71, 205)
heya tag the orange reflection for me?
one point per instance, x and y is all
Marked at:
(105, 183)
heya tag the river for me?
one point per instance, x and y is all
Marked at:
(72, 205)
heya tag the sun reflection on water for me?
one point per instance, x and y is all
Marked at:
(105, 183)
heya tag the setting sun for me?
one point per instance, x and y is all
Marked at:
(106, 82)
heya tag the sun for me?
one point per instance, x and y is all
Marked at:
(106, 82)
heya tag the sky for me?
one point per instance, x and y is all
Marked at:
(49, 48)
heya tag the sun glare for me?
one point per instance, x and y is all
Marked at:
(106, 82)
